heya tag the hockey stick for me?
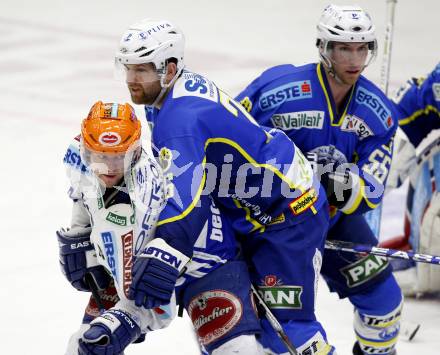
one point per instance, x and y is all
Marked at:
(387, 252)
(374, 217)
(94, 288)
(408, 330)
(274, 323)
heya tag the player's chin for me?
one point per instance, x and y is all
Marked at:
(136, 97)
(110, 180)
(351, 78)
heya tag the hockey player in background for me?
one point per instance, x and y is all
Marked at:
(417, 156)
(346, 125)
(118, 191)
(210, 147)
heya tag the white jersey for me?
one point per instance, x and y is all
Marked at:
(120, 231)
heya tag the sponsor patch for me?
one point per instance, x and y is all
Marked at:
(109, 139)
(109, 298)
(247, 104)
(375, 104)
(303, 202)
(116, 219)
(436, 91)
(296, 120)
(193, 84)
(73, 158)
(214, 314)
(147, 32)
(110, 252)
(289, 92)
(364, 270)
(165, 158)
(281, 297)
(278, 219)
(329, 152)
(356, 125)
(127, 247)
(314, 346)
(384, 321)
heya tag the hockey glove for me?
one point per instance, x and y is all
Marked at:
(155, 273)
(338, 187)
(77, 258)
(336, 178)
(109, 334)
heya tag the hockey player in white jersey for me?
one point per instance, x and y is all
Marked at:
(417, 157)
(118, 191)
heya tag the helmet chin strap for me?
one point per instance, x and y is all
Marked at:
(330, 70)
(165, 87)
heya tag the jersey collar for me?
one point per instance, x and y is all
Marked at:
(335, 119)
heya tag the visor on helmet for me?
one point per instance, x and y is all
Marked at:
(109, 163)
(352, 53)
(136, 73)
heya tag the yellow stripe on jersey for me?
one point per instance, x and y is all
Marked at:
(319, 70)
(417, 114)
(193, 203)
(361, 195)
(257, 226)
(251, 160)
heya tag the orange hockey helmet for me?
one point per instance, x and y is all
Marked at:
(108, 133)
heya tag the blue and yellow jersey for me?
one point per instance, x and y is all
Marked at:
(209, 146)
(418, 104)
(298, 101)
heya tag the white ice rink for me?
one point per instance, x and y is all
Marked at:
(56, 60)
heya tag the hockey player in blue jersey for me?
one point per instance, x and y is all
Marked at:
(417, 157)
(346, 125)
(210, 147)
(118, 192)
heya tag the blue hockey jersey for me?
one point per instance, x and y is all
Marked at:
(209, 145)
(298, 101)
(418, 104)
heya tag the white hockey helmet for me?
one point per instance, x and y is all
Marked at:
(151, 41)
(345, 24)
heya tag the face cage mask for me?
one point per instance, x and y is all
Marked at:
(328, 52)
(110, 163)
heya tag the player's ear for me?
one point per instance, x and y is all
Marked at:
(171, 71)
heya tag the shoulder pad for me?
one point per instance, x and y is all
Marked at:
(195, 85)
(382, 111)
(74, 168)
(72, 158)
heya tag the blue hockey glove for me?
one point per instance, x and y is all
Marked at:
(109, 334)
(74, 249)
(155, 273)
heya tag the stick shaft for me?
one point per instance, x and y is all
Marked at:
(387, 252)
(275, 324)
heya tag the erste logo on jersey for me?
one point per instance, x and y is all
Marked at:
(356, 125)
(109, 139)
(214, 314)
(297, 120)
(110, 252)
(288, 92)
(193, 84)
(375, 104)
